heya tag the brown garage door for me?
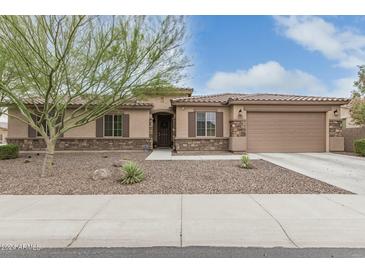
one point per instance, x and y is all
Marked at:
(286, 132)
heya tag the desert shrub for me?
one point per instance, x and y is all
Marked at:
(9, 152)
(132, 173)
(359, 147)
(245, 161)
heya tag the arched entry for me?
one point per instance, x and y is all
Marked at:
(162, 128)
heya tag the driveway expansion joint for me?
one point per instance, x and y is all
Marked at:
(346, 206)
(23, 207)
(74, 239)
(276, 220)
(181, 220)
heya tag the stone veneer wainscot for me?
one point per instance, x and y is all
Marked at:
(237, 128)
(205, 144)
(335, 128)
(35, 144)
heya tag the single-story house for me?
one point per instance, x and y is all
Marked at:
(3, 132)
(222, 122)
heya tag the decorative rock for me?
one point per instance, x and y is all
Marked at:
(101, 174)
(119, 163)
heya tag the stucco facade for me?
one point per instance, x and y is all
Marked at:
(142, 128)
(3, 135)
(167, 121)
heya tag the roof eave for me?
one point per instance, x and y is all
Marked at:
(286, 102)
(144, 106)
(198, 104)
(149, 106)
(261, 102)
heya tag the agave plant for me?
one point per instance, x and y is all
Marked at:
(132, 174)
(245, 161)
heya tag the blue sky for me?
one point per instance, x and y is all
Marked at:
(307, 55)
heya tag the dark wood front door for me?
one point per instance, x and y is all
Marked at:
(164, 130)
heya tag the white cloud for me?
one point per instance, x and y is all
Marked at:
(343, 87)
(345, 47)
(267, 77)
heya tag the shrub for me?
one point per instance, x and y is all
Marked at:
(9, 152)
(245, 161)
(359, 147)
(132, 173)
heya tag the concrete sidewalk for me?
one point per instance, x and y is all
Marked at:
(183, 220)
(166, 155)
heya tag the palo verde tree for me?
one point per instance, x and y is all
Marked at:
(53, 61)
(358, 99)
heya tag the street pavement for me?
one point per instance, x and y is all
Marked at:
(186, 252)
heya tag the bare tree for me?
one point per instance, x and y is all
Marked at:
(55, 61)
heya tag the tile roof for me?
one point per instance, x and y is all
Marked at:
(80, 101)
(225, 98)
(184, 90)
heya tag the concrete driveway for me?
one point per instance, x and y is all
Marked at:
(347, 172)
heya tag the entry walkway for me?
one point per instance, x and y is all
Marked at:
(183, 220)
(166, 155)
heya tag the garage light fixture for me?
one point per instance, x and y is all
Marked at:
(240, 113)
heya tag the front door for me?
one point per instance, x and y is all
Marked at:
(164, 130)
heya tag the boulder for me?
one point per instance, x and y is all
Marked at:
(101, 174)
(26, 161)
(119, 163)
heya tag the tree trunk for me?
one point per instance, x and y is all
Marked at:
(47, 168)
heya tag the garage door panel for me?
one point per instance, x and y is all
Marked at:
(286, 132)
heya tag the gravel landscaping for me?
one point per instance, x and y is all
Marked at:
(73, 172)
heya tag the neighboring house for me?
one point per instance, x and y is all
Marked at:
(346, 117)
(3, 132)
(225, 122)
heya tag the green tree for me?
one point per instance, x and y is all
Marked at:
(106, 61)
(358, 98)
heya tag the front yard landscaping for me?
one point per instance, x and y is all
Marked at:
(73, 175)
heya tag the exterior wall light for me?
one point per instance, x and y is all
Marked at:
(240, 113)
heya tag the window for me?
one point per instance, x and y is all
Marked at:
(113, 125)
(205, 123)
